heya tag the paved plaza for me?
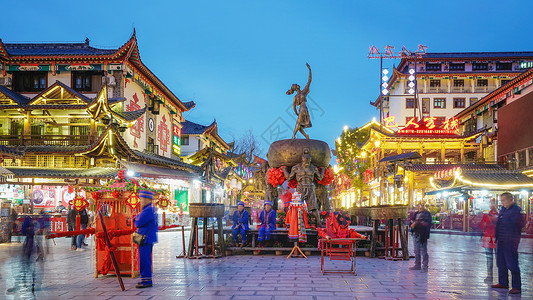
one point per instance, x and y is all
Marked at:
(457, 271)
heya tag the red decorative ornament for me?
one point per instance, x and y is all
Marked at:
(293, 183)
(133, 200)
(79, 203)
(328, 178)
(95, 195)
(116, 193)
(163, 202)
(121, 174)
(275, 176)
(70, 189)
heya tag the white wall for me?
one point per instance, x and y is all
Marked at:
(135, 99)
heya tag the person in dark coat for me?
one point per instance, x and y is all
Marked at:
(267, 219)
(146, 223)
(71, 225)
(84, 221)
(420, 227)
(508, 232)
(240, 223)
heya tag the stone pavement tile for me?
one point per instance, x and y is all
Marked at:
(124, 297)
(294, 298)
(236, 293)
(251, 298)
(314, 293)
(159, 297)
(202, 297)
(275, 293)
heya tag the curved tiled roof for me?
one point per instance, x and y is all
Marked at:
(64, 173)
(193, 128)
(55, 49)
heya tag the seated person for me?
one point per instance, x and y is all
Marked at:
(337, 227)
(267, 220)
(240, 223)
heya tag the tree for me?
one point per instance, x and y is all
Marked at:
(352, 160)
(248, 145)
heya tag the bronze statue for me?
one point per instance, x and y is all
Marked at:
(322, 197)
(271, 192)
(305, 173)
(300, 99)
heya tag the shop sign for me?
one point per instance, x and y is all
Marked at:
(176, 140)
(28, 67)
(426, 126)
(446, 174)
(80, 67)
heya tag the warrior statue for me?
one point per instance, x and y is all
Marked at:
(271, 192)
(305, 173)
(300, 99)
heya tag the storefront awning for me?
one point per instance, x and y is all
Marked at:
(157, 172)
(403, 156)
(5, 174)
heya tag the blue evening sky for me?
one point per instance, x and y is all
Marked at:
(236, 59)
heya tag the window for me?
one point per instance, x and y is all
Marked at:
(29, 81)
(433, 67)
(185, 140)
(426, 102)
(482, 82)
(473, 100)
(151, 146)
(457, 67)
(521, 159)
(458, 83)
(439, 121)
(480, 66)
(504, 66)
(82, 81)
(410, 103)
(505, 81)
(530, 154)
(459, 102)
(434, 83)
(439, 103)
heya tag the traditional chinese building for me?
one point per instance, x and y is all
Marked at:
(446, 83)
(77, 114)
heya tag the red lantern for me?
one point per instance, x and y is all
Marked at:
(79, 203)
(70, 189)
(133, 200)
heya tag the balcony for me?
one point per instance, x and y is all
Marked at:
(435, 90)
(461, 89)
(44, 140)
(484, 89)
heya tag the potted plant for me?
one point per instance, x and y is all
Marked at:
(229, 243)
(280, 221)
(278, 245)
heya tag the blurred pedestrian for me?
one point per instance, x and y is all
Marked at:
(420, 227)
(488, 241)
(84, 220)
(12, 223)
(508, 233)
(146, 223)
(71, 225)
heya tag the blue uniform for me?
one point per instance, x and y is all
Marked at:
(268, 223)
(240, 225)
(508, 233)
(146, 223)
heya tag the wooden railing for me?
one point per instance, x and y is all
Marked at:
(40, 140)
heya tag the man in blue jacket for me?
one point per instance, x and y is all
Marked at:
(508, 233)
(267, 219)
(240, 223)
(146, 223)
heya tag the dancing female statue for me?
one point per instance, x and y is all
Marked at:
(300, 99)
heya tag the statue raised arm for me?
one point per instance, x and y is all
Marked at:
(300, 100)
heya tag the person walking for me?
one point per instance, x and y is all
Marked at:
(71, 225)
(146, 223)
(84, 221)
(508, 233)
(488, 241)
(420, 227)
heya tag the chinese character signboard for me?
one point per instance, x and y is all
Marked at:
(176, 140)
(428, 126)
